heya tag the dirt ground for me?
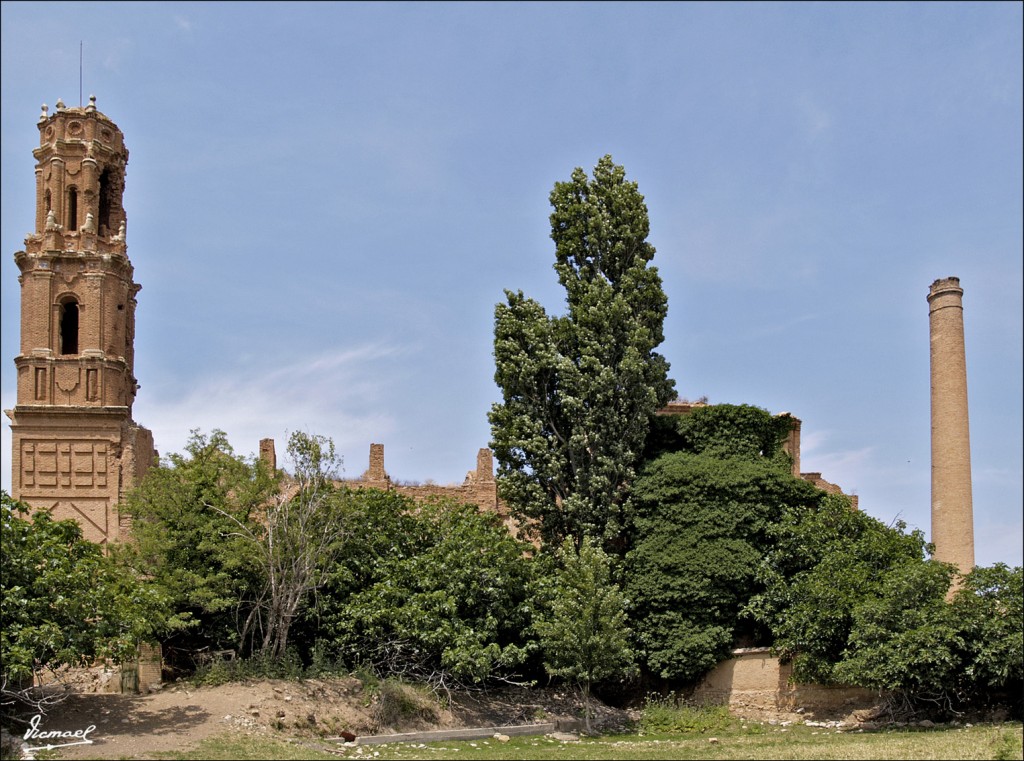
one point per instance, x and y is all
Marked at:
(179, 716)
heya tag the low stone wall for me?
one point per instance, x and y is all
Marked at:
(754, 678)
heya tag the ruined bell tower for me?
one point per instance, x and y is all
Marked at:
(75, 447)
(952, 509)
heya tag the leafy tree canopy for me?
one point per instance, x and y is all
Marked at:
(578, 390)
(443, 594)
(703, 513)
(583, 631)
(852, 601)
(822, 564)
(65, 603)
(185, 518)
(723, 430)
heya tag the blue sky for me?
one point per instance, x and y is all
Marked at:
(325, 202)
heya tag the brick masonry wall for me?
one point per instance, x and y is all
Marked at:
(952, 505)
(754, 678)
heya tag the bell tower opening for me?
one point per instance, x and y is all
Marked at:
(72, 225)
(103, 223)
(69, 327)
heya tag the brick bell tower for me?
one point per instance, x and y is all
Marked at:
(75, 447)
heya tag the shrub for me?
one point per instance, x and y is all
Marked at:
(671, 715)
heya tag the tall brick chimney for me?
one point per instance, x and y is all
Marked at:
(952, 509)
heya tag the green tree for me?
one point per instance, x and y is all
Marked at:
(703, 512)
(446, 597)
(905, 638)
(853, 601)
(185, 517)
(298, 536)
(823, 564)
(990, 608)
(64, 602)
(579, 390)
(584, 635)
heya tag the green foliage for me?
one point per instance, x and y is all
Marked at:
(853, 601)
(703, 518)
(723, 431)
(990, 609)
(908, 639)
(824, 563)
(259, 666)
(357, 577)
(65, 602)
(905, 637)
(447, 596)
(299, 536)
(583, 632)
(670, 715)
(578, 391)
(186, 513)
(1007, 745)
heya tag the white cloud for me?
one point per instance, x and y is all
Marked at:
(346, 395)
(341, 394)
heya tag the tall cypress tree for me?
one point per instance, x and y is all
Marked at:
(578, 390)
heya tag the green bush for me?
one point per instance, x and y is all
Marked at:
(670, 715)
(258, 667)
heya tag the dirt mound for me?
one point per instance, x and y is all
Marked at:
(179, 716)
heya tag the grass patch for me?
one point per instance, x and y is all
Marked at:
(289, 667)
(398, 704)
(240, 746)
(670, 715)
(770, 742)
(736, 742)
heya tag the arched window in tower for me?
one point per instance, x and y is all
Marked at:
(72, 225)
(49, 204)
(103, 223)
(69, 327)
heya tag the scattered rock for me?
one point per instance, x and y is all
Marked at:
(713, 740)
(564, 737)
(926, 723)
(501, 738)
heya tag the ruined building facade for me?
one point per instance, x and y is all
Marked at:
(481, 489)
(75, 448)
